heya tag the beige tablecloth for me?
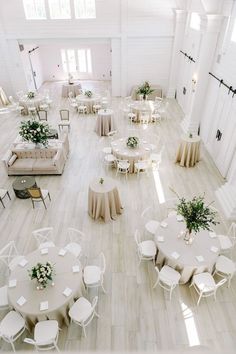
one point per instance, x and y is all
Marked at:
(156, 93)
(104, 200)
(105, 122)
(188, 153)
(187, 264)
(89, 102)
(74, 88)
(121, 151)
(31, 102)
(58, 303)
(3, 98)
(143, 107)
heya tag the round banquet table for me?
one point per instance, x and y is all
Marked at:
(187, 263)
(188, 153)
(58, 304)
(105, 122)
(104, 200)
(30, 102)
(88, 101)
(143, 107)
(121, 151)
(75, 88)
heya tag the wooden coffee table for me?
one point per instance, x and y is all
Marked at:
(21, 184)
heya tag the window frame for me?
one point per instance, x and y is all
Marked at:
(76, 10)
(35, 18)
(50, 7)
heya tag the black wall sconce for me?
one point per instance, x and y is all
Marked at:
(188, 56)
(218, 135)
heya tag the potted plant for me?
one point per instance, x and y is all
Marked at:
(88, 93)
(132, 142)
(34, 131)
(31, 95)
(197, 215)
(145, 90)
(43, 273)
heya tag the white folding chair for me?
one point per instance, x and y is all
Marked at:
(4, 304)
(109, 160)
(11, 327)
(151, 225)
(75, 238)
(43, 237)
(9, 255)
(141, 166)
(146, 249)
(168, 278)
(94, 275)
(3, 193)
(65, 119)
(228, 242)
(156, 158)
(225, 268)
(82, 312)
(46, 335)
(205, 285)
(122, 166)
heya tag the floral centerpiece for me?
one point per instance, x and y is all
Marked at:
(31, 95)
(43, 273)
(132, 142)
(145, 89)
(88, 93)
(196, 214)
(34, 131)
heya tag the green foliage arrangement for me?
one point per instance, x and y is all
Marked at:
(34, 131)
(88, 93)
(145, 89)
(31, 94)
(43, 273)
(132, 142)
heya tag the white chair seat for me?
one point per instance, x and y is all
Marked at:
(123, 165)
(12, 324)
(65, 124)
(204, 281)
(225, 242)
(45, 331)
(46, 245)
(155, 157)
(225, 265)
(74, 248)
(147, 248)
(151, 226)
(156, 117)
(110, 158)
(43, 106)
(80, 310)
(107, 150)
(74, 104)
(152, 146)
(169, 276)
(141, 165)
(3, 296)
(131, 116)
(92, 275)
(15, 261)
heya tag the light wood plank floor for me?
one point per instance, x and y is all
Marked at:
(133, 316)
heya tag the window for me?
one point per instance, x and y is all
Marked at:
(72, 63)
(195, 21)
(85, 9)
(34, 9)
(233, 36)
(59, 9)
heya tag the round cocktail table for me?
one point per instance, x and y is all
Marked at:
(21, 184)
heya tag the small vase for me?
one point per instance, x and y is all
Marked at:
(38, 146)
(188, 237)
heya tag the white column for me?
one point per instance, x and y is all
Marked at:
(210, 27)
(180, 22)
(123, 55)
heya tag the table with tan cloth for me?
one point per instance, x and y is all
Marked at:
(143, 107)
(30, 102)
(104, 200)
(121, 151)
(156, 93)
(3, 98)
(74, 88)
(58, 303)
(187, 264)
(89, 101)
(188, 153)
(105, 122)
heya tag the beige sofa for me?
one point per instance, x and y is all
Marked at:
(23, 159)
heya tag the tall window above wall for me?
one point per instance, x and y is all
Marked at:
(85, 9)
(34, 9)
(59, 9)
(233, 36)
(76, 60)
(195, 21)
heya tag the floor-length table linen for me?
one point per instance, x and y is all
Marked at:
(4, 101)
(143, 107)
(104, 200)
(187, 263)
(156, 93)
(188, 153)
(27, 102)
(89, 102)
(105, 122)
(74, 88)
(58, 303)
(121, 151)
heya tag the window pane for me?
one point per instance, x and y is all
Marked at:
(195, 21)
(85, 9)
(59, 9)
(82, 61)
(34, 9)
(71, 60)
(89, 61)
(64, 61)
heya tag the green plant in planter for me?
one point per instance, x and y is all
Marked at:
(34, 131)
(145, 89)
(88, 93)
(196, 214)
(31, 95)
(132, 142)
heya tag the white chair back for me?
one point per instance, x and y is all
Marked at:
(232, 233)
(43, 235)
(8, 253)
(75, 235)
(102, 262)
(137, 237)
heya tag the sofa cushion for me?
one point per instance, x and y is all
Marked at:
(12, 160)
(22, 164)
(35, 153)
(43, 164)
